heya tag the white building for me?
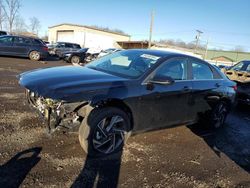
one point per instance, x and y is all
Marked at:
(86, 36)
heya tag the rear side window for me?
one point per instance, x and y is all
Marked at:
(201, 71)
(67, 45)
(38, 42)
(76, 46)
(60, 45)
(21, 40)
(175, 68)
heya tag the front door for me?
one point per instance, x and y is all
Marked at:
(6, 45)
(167, 105)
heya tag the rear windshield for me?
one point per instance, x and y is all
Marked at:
(38, 42)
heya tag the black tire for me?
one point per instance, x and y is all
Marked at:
(219, 115)
(75, 59)
(34, 56)
(92, 137)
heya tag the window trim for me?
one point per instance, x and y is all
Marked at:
(215, 76)
(145, 81)
(11, 37)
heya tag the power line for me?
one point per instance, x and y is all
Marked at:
(225, 44)
(226, 32)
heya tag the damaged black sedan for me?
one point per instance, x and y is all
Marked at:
(240, 73)
(130, 90)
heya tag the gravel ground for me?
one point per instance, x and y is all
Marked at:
(178, 157)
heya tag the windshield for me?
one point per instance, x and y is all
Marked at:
(128, 63)
(109, 50)
(83, 50)
(242, 66)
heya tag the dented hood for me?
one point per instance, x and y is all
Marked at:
(70, 83)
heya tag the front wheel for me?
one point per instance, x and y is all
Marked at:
(218, 115)
(34, 56)
(104, 131)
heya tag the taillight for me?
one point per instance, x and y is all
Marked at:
(235, 87)
(45, 48)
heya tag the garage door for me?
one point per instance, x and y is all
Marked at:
(65, 36)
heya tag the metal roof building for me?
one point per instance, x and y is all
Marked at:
(86, 36)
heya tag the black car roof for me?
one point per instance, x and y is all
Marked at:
(21, 36)
(67, 43)
(162, 53)
(246, 61)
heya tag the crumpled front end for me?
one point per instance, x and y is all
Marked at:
(57, 113)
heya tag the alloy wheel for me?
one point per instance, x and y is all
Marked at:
(220, 115)
(75, 60)
(35, 56)
(109, 134)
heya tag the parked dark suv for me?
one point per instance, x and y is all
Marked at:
(3, 33)
(21, 46)
(130, 90)
(60, 48)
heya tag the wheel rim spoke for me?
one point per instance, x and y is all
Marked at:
(102, 131)
(114, 120)
(112, 146)
(112, 132)
(119, 132)
(99, 144)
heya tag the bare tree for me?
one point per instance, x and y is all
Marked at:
(34, 25)
(11, 8)
(2, 15)
(19, 25)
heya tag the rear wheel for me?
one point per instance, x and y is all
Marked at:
(104, 131)
(218, 115)
(75, 60)
(34, 56)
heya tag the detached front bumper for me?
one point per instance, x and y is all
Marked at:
(56, 113)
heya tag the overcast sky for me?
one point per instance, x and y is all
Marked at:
(225, 22)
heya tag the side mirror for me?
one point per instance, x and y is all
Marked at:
(161, 79)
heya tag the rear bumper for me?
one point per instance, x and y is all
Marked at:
(44, 55)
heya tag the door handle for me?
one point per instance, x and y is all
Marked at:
(217, 84)
(186, 88)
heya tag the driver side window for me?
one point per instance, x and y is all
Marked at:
(175, 68)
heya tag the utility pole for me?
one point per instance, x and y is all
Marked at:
(197, 39)
(205, 56)
(151, 29)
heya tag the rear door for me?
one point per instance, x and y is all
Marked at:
(207, 88)
(6, 45)
(69, 47)
(22, 45)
